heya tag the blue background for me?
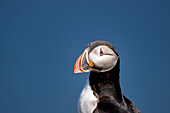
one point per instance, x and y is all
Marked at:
(40, 41)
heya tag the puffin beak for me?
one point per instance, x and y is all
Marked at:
(82, 63)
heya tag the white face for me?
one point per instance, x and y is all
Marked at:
(103, 58)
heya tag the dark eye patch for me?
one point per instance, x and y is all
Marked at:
(101, 52)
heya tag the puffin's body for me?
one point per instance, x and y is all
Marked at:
(102, 93)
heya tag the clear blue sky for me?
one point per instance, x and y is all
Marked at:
(40, 41)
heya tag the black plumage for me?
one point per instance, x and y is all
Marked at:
(102, 93)
(106, 88)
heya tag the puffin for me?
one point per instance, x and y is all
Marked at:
(102, 92)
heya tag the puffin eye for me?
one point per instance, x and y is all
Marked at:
(101, 52)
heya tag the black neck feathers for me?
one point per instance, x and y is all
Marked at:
(106, 86)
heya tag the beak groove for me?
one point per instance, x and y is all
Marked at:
(82, 63)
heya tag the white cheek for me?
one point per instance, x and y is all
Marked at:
(108, 61)
(104, 62)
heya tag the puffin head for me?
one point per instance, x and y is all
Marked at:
(99, 56)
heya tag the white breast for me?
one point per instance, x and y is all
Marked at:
(87, 101)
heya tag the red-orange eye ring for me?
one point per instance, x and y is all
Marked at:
(101, 52)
